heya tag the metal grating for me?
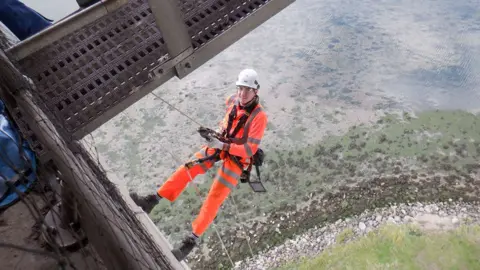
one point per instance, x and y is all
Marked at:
(188, 6)
(84, 74)
(215, 17)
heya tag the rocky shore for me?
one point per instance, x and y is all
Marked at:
(441, 215)
(371, 199)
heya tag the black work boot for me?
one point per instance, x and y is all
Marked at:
(147, 202)
(188, 243)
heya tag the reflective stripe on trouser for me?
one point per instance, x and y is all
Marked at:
(177, 182)
(225, 180)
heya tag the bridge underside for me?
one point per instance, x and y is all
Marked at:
(91, 66)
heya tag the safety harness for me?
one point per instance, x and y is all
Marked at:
(227, 137)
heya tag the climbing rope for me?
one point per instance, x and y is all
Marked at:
(173, 107)
(237, 214)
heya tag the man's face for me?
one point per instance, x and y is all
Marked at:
(245, 94)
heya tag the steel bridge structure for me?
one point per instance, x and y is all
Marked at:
(91, 66)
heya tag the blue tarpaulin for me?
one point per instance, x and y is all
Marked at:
(12, 160)
(22, 20)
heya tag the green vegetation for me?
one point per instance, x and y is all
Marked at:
(292, 176)
(401, 247)
(345, 235)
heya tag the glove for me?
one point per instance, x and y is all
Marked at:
(215, 143)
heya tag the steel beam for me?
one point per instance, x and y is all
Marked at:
(62, 28)
(170, 21)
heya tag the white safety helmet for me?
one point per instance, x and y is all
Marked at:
(248, 77)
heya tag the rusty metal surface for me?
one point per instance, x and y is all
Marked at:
(35, 144)
(85, 73)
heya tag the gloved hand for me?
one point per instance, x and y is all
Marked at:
(215, 143)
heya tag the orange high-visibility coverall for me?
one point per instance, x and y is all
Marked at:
(228, 174)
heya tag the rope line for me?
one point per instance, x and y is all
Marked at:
(237, 214)
(173, 107)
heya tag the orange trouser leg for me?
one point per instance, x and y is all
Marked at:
(224, 182)
(177, 182)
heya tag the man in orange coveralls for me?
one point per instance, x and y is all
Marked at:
(244, 124)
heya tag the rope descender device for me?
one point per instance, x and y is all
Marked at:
(207, 134)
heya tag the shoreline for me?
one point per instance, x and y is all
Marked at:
(432, 217)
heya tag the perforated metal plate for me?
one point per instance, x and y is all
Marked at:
(85, 73)
(216, 17)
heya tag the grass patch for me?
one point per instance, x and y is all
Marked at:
(401, 247)
(345, 235)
